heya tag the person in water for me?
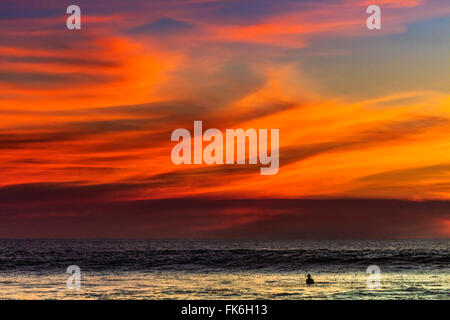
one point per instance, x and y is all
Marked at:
(309, 280)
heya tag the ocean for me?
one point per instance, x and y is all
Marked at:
(224, 269)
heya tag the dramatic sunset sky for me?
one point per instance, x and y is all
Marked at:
(86, 118)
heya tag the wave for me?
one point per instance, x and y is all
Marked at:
(126, 256)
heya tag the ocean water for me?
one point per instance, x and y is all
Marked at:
(218, 269)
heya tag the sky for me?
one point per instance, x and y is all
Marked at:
(87, 115)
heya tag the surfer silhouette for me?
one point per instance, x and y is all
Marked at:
(309, 280)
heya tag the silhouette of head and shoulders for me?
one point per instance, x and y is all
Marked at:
(309, 280)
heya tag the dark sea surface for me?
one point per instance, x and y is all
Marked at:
(223, 269)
